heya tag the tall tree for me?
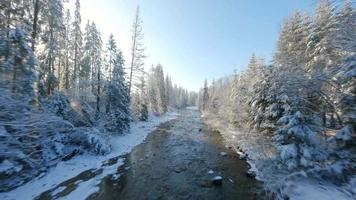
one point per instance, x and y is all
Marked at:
(53, 29)
(67, 45)
(17, 63)
(117, 105)
(205, 99)
(77, 40)
(161, 93)
(137, 50)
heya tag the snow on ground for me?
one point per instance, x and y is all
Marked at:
(309, 189)
(260, 153)
(121, 144)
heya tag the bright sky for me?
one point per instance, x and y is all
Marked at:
(195, 39)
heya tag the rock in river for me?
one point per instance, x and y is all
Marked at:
(223, 153)
(217, 180)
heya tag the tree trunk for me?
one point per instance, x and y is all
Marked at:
(98, 94)
(34, 24)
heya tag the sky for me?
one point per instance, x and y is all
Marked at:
(195, 40)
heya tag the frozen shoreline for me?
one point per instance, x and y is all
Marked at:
(63, 171)
(295, 189)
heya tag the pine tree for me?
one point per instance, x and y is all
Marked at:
(345, 34)
(76, 45)
(161, 93)
(96, 64)
(67, 44)
(139, 102)
(205, 99)
(168, 90)
(85, 77)
(17, 63)
(118, 99)
(298, 140)
(53, 16)
(320, 44)
(137, 50)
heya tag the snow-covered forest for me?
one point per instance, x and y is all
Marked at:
(65, 91)
(70, 104)
(296, 116)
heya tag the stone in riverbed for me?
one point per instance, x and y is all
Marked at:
(217, 180)
(223, 153)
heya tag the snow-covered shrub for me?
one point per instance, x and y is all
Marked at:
(58, 104)
(90, 139)
(77, 112)
(118, 114)
(31, 140)
(299, 141)
(347, 79)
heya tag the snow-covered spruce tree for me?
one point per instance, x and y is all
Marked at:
(90, 71)
(76, 47)
(346, 78)
(91, 65)
(234, 92)
(241, 91)
(17, 63)
(53, 28)
(156, 91)
(15, 14)
(116, 91)
(152, 92)
(205, 96)
(85, 76)
(299, 141)
(260, 102)
(168, 90)
(161, 98)
(139, 102)
(192, 98)
(67, 70)
(344, 39)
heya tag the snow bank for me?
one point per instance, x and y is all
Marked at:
(121, 144)
(278, 182)
(309, 189)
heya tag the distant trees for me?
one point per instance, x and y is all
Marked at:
(302, 95)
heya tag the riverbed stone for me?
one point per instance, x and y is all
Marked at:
(217, 181)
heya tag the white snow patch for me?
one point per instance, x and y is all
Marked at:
(223, 153)
(8, 167)
(58, 190)
(192, 108)
(261, 151)
(121, 144)
(307, 189)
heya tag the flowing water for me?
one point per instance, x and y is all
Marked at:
(173, 163)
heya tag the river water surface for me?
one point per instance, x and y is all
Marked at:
(174, 163)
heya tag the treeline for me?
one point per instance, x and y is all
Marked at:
(44, 51)
(64, 90)
(159, 94)
(305, 100)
